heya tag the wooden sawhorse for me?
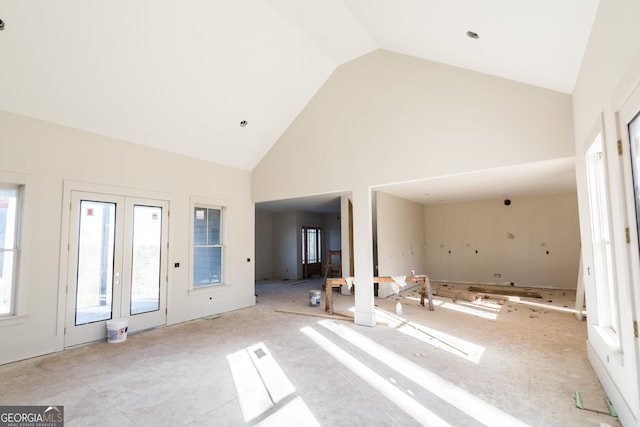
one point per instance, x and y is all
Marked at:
(330, 282)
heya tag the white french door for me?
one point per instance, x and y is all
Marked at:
(117, 265)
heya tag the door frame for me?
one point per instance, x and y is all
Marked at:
(306, 267)
(70, 186)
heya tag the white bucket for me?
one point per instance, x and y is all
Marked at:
(117, 330)
(314, 298)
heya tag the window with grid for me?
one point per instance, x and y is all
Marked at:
(207, 246)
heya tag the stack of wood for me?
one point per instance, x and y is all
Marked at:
(475, 293)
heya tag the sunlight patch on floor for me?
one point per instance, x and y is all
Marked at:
(549, 307)
(261, 385)
(446, 390)
(390, 391)
(468, 310)
(443, 341)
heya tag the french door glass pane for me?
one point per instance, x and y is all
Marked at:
(145, 263)
(96, 241)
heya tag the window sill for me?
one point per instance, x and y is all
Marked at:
(208, 289)
(608, 338)
(13, 320)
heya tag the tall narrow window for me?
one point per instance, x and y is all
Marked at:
(207, 246)
(9, 246)
(634, 140)
(600, 227)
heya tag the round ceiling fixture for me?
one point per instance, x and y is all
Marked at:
(243, 123)
(1, 25)
(473, 35)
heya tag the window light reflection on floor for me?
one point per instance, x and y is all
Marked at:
(391, 392)
(482, 305)
(482, 309)
(549, 307)
(475, 407)
(469, 310)
(262, 385)
(443, 341)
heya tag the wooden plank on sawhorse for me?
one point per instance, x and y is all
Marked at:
(423, 280)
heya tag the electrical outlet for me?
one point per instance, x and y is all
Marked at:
(496, 275)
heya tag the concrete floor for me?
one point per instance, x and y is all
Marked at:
(495, 363)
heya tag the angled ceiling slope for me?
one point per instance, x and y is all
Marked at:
(182, 76)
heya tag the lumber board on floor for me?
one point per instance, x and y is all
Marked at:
(506, 290)
(322, 315)
(457, 295)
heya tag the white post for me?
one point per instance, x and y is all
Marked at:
(363, 257)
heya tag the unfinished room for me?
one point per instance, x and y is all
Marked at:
(306, 213)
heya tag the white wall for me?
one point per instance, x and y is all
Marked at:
(609, 74)
(264, 245)
(331, 229)
(47, 155)
(400, 238)
(386, 118)
(285, 245)
(278, 246)
(471, 242)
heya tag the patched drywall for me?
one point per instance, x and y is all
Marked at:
(533, 241)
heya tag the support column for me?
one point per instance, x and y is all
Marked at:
(363, 257)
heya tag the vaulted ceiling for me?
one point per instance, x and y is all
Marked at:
(183, 75)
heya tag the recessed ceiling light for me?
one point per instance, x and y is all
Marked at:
(243, 123)
(473, 35)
